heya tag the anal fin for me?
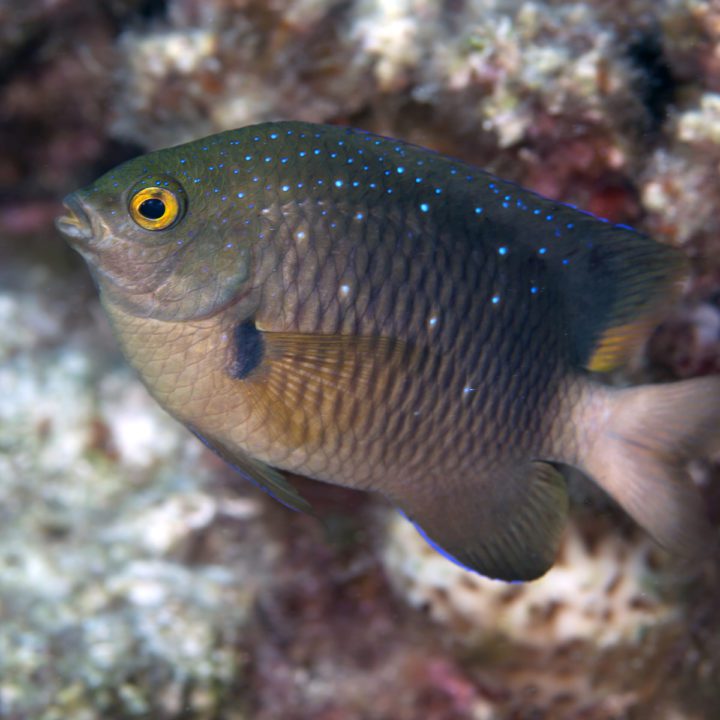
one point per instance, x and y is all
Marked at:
(506, 527)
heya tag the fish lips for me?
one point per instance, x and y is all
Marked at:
(76, 225)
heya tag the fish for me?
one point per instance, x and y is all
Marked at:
(371, 314)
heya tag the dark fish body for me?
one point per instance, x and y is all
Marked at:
(374, 315)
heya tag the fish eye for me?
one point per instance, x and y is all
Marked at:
(157, 208)
(152, 209)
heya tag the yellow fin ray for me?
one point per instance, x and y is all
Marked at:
(618, 344)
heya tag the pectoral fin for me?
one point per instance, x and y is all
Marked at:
(506, 527)
(304, 385)
(343, 362)
(260, 474)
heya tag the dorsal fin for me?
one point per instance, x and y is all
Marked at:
(615, 289)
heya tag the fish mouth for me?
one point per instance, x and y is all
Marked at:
(76, 224)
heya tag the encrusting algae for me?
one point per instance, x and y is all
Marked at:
(371, 314)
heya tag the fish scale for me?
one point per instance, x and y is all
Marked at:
(374, 315)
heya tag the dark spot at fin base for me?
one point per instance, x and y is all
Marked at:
(248, 349)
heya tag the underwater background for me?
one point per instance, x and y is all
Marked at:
(142, 578)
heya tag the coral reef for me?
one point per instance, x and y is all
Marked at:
(600, 593)
(109, 602)
(137, 576)
(603, 635)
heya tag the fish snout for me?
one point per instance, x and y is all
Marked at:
(76, 224)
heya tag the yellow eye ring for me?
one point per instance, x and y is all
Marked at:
(155, 208)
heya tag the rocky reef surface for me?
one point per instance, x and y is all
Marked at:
(139, 577)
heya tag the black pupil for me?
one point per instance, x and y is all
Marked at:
(152, 209)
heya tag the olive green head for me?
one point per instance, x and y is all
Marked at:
(172, 234)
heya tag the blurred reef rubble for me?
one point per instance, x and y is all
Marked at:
(139, 577)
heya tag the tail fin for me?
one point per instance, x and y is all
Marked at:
(640, 459)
